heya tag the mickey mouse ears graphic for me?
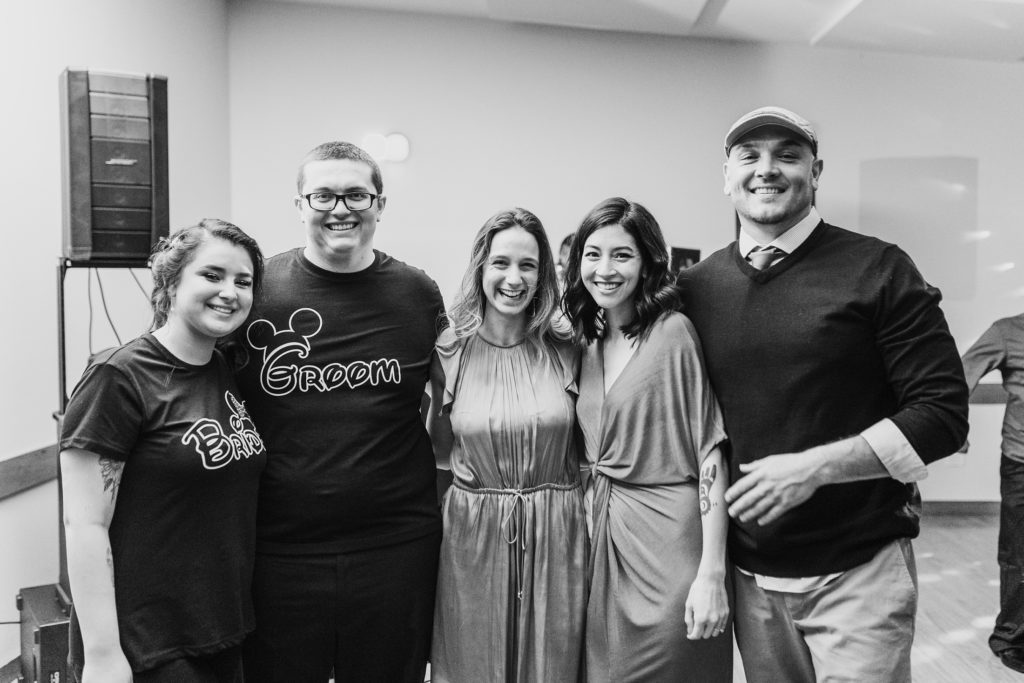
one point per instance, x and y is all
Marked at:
(302, 325)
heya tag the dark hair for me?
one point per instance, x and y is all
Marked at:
(340, 150)
(467, 311)
(566, 241)
(655, 294)
(172, 254)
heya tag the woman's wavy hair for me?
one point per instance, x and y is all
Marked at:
(467, 311)
(171, 255)
(656, 293)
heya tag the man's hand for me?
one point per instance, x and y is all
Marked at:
(776, 484)
(772, 486)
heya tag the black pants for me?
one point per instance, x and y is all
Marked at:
(1009, 631)
(367, 615)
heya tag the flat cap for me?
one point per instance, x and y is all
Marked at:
(771, 116)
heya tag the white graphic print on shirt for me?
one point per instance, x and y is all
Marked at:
(216, 447)
(280, 375)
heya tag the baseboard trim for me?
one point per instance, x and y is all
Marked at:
(980, 508)
(28, 470)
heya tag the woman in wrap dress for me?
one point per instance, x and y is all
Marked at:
(512, 577)
(658, 608)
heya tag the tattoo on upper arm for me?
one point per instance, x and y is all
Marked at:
(708, 473)
(110, 471)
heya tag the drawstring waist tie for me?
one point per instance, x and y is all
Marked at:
(515, 523)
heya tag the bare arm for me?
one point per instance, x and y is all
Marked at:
(90, 485)
(773, 485)
(707, 605)
(439, 424)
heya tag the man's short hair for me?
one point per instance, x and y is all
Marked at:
(340, 150)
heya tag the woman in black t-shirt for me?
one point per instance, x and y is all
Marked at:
(160, 465)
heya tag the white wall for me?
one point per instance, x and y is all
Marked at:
(556, 120)
(184, 40)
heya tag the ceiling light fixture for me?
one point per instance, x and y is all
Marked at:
(390, 147)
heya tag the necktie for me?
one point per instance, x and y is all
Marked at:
(762, 257)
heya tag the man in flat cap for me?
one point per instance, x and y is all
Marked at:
(839, 383)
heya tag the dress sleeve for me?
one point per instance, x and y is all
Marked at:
(567, 359)
(921, 360)
(104, 415)
(706, 422)
(449, 352)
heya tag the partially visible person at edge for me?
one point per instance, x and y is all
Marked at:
(563, 258)
(839, 382)
(160, 466)
(349, 527)
(658, 608)
(1001, 347)
(511, 595)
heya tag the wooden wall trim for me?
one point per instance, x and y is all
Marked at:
(965, 508)
(988, 393)
(25, 471)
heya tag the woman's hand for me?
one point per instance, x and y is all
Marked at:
(111, 667)
(707, 606)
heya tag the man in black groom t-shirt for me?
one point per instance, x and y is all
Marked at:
(348, 525)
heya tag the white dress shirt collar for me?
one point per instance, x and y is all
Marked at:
(787, 241)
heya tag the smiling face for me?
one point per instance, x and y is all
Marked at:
(771, 176)
(339, 240)
(611, 269)
(510, 274)
(213, 295)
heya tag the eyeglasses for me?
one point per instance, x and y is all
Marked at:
(326, 201)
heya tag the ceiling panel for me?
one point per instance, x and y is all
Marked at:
(979, 29)
(674, 17)
(976, 29)
(791, 21)
(462, 8)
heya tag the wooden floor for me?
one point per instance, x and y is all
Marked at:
(959, 597)
(958, 580)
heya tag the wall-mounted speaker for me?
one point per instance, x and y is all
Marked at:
(114, 149)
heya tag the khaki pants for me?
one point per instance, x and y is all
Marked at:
(857, 628)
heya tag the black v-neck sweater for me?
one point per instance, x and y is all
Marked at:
(840, 334)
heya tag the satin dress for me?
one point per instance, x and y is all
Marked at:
(511, 593)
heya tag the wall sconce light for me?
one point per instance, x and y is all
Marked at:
(391, 147)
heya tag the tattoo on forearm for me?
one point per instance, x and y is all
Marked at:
(110, 564)
(110, 470)
(707, 480)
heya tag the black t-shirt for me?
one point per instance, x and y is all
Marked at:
(338, 365)
(183, 530)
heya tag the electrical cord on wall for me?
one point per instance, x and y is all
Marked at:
(106, 311)
(145, 294)
(88, 298)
